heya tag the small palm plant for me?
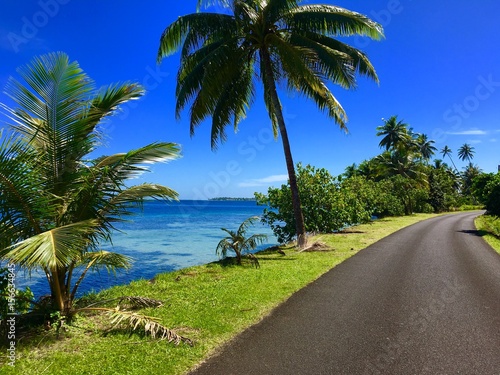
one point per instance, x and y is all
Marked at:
(239, 242)
(57, 204)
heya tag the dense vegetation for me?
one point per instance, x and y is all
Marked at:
(402, 180)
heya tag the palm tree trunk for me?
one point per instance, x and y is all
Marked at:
(297, 208)
(57, 290)
(453, 163)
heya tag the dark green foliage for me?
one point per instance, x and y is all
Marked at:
(442, 192)
(492, 196)
(479, 185)
(328, 204)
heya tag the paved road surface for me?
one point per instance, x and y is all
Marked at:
(425, 300)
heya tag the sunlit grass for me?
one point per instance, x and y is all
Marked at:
(490, 226)
(209, 304)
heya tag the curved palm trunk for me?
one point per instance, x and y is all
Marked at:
(297, 208)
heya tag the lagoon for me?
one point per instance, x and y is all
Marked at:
(164, 237)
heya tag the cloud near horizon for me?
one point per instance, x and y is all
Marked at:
(469, 132)
(264, 181)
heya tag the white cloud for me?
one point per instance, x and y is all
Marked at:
(264, 181)
(469, 132)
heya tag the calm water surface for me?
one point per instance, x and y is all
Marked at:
(166, 237)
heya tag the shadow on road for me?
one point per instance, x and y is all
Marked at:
(477, 233)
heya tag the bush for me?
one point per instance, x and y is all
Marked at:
(328, 204)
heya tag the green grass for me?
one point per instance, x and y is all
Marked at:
(489, 227)
(210, 304)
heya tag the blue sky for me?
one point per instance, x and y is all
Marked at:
(439, 70)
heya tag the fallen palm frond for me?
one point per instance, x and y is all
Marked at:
(134, 321)
(150, 325)
(135, 302)
(317, 246)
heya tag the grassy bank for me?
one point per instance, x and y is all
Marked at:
(209, 304)
(489, 228)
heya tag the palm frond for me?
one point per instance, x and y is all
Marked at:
(150, 325)
(20, 201)
(54, 248)
(194, 28)
(332, 20)
(136, 302)
(137, 193)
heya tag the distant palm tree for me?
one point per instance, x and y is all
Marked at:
(468, 175)
(446, 151)
(395, 133)
(238, 242)
(466, 152)
(425, 146)
(57, 204)
(272, 41)
(351, 170)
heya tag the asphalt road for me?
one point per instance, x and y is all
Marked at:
(425, 300)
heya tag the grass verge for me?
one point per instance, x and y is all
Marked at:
(489, 227)
(210, 304)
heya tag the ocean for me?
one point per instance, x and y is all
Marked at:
(164, 237)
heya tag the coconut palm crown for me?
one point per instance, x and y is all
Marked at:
(56, 203)
(271, 41)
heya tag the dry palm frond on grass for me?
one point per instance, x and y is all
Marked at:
(317, 246)
(134, 321)
(149, 324)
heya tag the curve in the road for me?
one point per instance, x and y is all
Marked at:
(424, 300)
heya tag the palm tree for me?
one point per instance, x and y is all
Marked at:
(56, 204)
(238, 242)
(466, 152)
(272, 41)
(396, 134)
(446, 151)
(425, 146)
(468, 175)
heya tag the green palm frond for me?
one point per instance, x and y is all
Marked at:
(194, 29)
(335, 21)
(20, 201)
(157, 152)
(338, 58)
(57, 247)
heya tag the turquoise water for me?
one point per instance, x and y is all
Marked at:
(166, 237)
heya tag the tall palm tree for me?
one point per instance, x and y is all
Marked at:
(271, 41)
(446, 151)
(238, 242)
(395, 134)
(56, 204)
(466, 152)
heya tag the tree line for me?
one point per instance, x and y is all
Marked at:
(402, 180)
